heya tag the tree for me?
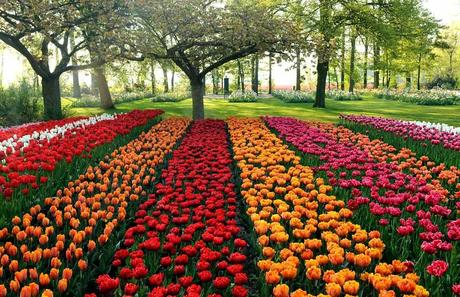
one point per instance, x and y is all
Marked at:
(51, 23)
(152, 77)
(255, 73)
(76, 90)
(201, 35)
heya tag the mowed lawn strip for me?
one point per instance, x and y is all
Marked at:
(221, 109)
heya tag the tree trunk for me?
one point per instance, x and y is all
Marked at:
(51, 91)
(388, 79)
(342, 62)
(1, 68)
(104, 92)
(336, 78)
(270, 62)
(376, 66)
(320, 99)
(241, 73)
(215, 81)
(152, 77)
(255, 74)
(76, 90)
(351, 87)
(197, 98)
(366, 54)
(419, 70)
(165, 79)
(408, 80)
(172, 80)
(94, 90)
(36, 84)
(297, 68)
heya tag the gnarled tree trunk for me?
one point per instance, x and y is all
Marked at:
(52, 98)
(197, 87)
(297, 68)
(322, 69)
(103, 87)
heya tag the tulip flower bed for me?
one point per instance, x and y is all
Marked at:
(439, 142)
(60, 245)
(391, 191)
(307, 241)
(35, 164)
(184, 241)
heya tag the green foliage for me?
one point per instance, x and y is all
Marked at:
(19, 104)
(171, 97)
(246, 96)
(442, 81)
(344, 96)
(295, 96)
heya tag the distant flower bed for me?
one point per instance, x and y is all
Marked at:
(93, 101)
(344, 96)
(424, 97)
(295, 96)
(171, 97)
(246, 96)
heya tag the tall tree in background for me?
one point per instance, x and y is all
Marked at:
(366, 55)
(270, 70)
(255, 73)
(153, 81)
(50, 23)
(76, 90)
(353, 36)
(201, 35)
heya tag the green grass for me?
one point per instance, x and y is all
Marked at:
(220, 108)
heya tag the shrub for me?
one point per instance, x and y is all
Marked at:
(344, 96)
(171, 97)
(20, 104)
(423, 97)
(445, 82)
(246, 96)
(295, 96)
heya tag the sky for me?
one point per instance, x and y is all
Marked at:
(447, 11)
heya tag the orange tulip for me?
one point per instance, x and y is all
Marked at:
(281, 291)
(272, 277)
(44, 279)
(351, 287)
(3, 291)
(67, 273)
(25, 292)
(62, 285)
(333, 289)
(47, 293)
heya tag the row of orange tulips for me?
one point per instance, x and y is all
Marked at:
(57, 247)
(308, 243)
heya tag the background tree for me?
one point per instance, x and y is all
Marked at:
(201, 35)
(50, 23)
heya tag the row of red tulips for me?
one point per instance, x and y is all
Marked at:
(184, 241)
(415, 213)
(22, 169)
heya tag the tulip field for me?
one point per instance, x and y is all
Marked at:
(138, 204)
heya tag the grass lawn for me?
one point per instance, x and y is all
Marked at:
(220, 108)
